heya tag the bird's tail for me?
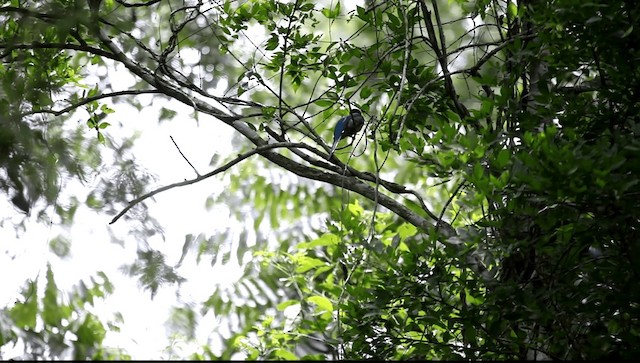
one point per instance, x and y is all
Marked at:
(333, 148)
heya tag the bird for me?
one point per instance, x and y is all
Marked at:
(347, 126)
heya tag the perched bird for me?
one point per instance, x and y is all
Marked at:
(347, 126)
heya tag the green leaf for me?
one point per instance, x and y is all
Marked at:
(285, 354)
(101, 138)
(91, 332)
(503, 158)
(512, 10)
(324, 103)
(406, 230)
(446, 158)
(627, 32)
(106, 109)
(24, 313)
(167, 114)
(273, 42)
(52, 313)
(355, 208)
(362, 13)
(327, 239)
(307, 263)
(322, 302)
(478, 171)
(332, 13)
(60, 246)
(93, 92)
(286, 304)
(366, 92)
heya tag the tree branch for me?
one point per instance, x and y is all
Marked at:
(441, 54)
(61, 46)
(221, 169)
(26, 12)
(90, 99)
(347, 182)
(127, 5)
(184, 157)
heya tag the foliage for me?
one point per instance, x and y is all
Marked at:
(485, 212)
(44, 325)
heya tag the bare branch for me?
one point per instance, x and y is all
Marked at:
(453, 195)
(184, 157)
(339, 180)
(221, 169)
(127, 5)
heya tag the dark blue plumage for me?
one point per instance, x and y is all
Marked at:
(347, 126)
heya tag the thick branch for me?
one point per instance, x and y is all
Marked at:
(353, 184)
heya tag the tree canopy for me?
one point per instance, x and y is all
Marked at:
(485, 211)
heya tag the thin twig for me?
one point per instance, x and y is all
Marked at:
(127, 5)
(455, 192)
(221, 169)
(446, 205)
(403, 79)
(285, 50)
(184, 157)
